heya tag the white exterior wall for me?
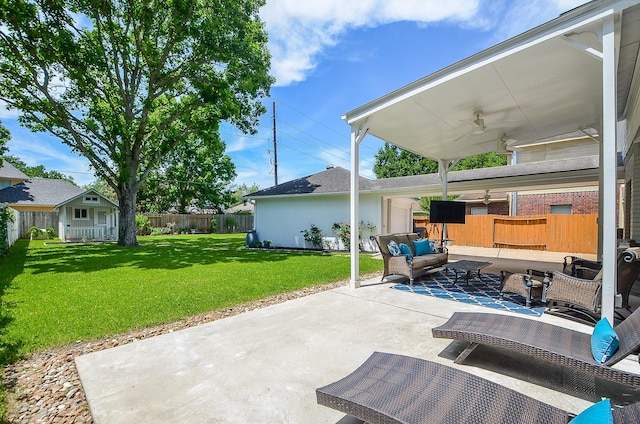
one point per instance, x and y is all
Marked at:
(281, 219)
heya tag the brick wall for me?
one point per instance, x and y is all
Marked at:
(585, 202)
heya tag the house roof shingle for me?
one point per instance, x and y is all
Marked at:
(39, 191)
(8, 171)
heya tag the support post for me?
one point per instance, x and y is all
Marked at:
(608, 168)
(357, 134)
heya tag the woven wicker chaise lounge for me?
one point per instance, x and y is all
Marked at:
(559, 345)
(390, 388)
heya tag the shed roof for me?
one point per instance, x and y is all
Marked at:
(39, 191)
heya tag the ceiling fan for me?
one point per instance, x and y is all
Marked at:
(478, 125)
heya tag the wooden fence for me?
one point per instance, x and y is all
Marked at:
(30, 219)
(556, 233)
(202, 223)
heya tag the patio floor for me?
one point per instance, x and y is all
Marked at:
(263, 366)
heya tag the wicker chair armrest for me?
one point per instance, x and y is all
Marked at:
(585, 273)
(573, 290)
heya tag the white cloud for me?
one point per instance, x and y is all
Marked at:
(300, 31)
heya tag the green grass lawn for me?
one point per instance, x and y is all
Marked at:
(54, 294)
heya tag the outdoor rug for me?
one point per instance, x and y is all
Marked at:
(485, 292)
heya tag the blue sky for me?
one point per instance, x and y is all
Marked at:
(329, 58)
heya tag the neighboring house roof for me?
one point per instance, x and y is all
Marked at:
(552, 173)
(39, 191)
(8, 171)
(332, 180)
(245, 207)
(71, 199)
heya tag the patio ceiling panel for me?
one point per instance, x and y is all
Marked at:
(551, 87)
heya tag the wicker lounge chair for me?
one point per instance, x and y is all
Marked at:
(390, 388)
(582, 291)
(559, 345)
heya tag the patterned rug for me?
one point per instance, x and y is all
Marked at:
(485, 292)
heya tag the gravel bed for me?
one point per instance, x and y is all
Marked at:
(45, 386)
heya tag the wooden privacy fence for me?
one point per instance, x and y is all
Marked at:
(202, 223)
(556, 233)
(30, 219)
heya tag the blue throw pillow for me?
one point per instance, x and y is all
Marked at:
(404, 249)
(604, 341)
(394, 250)
(422, 247)
(598, 413)
(433, 246)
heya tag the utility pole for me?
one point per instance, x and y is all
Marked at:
(275, 151)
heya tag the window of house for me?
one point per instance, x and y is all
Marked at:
(561, 209)
(479, 210)
(80, 213)
(91, 199)
(4, 184)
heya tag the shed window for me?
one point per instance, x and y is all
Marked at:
(561, 209)
(80, 213)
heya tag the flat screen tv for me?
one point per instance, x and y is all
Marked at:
(446, 212)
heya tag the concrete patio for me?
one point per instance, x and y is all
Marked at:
(263, 366)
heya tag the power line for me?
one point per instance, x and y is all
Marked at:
(322, 124)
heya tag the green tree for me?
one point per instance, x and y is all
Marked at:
(5, 136)
(392, 161)
(103, 188)
(124, 82)
(242, 190)
(194, 174)
(37, 170)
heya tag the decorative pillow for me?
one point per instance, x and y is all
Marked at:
(404, 249)
(598, 413)
(394, 250)
(604, 341)
(433, 246)
(422, 247)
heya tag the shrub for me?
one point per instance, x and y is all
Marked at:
(34, 232)
(143, 225)
(230, 224)
(51, 233)
(313, 236)
(6, 216)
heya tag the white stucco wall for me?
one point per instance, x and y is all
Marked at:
(281, 219)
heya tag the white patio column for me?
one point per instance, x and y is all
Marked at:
(443, 171)
(608, 154)
(357, 134)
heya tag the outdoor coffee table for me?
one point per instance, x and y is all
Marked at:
(466, 269)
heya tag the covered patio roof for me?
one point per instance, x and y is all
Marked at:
(540, 84)
(573, 73)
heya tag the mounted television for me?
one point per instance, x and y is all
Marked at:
(446, 212)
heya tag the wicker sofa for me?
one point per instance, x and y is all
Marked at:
(400, 265)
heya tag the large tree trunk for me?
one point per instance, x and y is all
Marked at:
(127, 225)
